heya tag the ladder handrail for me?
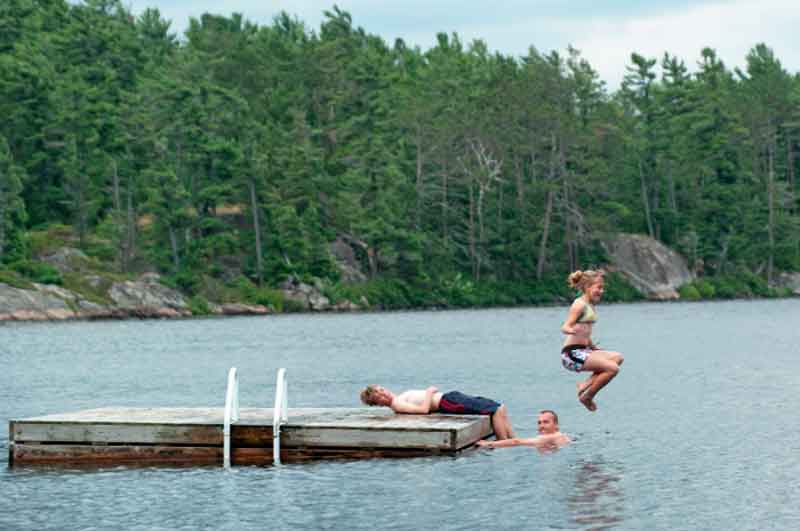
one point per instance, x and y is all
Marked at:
(231, 414)
(279, 415)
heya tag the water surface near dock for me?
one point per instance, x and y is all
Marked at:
(694, 434)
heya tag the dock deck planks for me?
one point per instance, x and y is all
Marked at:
(195, 435)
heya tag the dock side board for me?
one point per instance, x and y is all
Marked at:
(195, 435)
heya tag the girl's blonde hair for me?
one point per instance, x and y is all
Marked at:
(583, 279)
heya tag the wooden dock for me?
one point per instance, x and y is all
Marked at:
(194, 436)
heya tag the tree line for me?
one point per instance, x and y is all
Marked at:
(244, 150)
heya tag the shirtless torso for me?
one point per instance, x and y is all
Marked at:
(417, 397)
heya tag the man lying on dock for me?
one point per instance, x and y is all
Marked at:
(550, 438)
(417, 401)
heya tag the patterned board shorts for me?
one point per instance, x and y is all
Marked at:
(574, 356)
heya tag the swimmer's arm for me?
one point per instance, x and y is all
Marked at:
(507, 443)
(572, 317)
(406, 406)
(542, 441)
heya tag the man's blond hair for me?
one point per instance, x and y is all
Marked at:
(369, 395)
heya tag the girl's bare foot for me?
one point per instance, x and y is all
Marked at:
(587, 401)
(583, 386)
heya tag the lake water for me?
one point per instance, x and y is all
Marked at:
(699, 431)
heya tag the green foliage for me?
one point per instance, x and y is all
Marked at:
(729, 287)
(198, 305)
(37, 272)
(12, 207)
(94, 289)
(50, 238)
(781, 292)
(16, 247)
(743, 284)
(185, 280)
(389, 294)
(264, 296)
(215, 289)
(14, 279)
(618, 289)
(270, 298)
(704, 288)
(456, 290)
(455, 175)
(689, 292)
(340, 292)
(756, 285)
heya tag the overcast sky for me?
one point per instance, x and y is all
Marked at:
(605, 31)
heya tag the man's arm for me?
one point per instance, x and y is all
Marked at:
(542, 441)
(506, 443)
(403, 405)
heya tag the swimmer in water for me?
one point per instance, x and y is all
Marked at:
(549, 439)
(579, 352)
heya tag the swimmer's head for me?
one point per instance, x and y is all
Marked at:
(375, 395)
(547, 422)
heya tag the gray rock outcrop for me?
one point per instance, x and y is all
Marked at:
(31, 305)
(66, 259)
(83, 308)
(142, 298)
(790, 281)
(308, 297)
(649, 265)
(147, 298)
(346, 260)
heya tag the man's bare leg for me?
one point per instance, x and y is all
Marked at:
(501, 424)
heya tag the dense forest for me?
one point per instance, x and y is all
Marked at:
(233, 156)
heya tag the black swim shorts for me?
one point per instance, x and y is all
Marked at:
(456, 403)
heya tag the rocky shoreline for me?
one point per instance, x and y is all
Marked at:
(652, 268)
(141, 299)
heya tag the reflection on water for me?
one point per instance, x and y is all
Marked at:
(597, 501)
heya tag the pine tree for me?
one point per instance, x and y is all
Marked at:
(12, 208)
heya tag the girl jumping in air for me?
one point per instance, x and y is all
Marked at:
(579, 353)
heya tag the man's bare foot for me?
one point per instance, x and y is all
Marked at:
(587, 401)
